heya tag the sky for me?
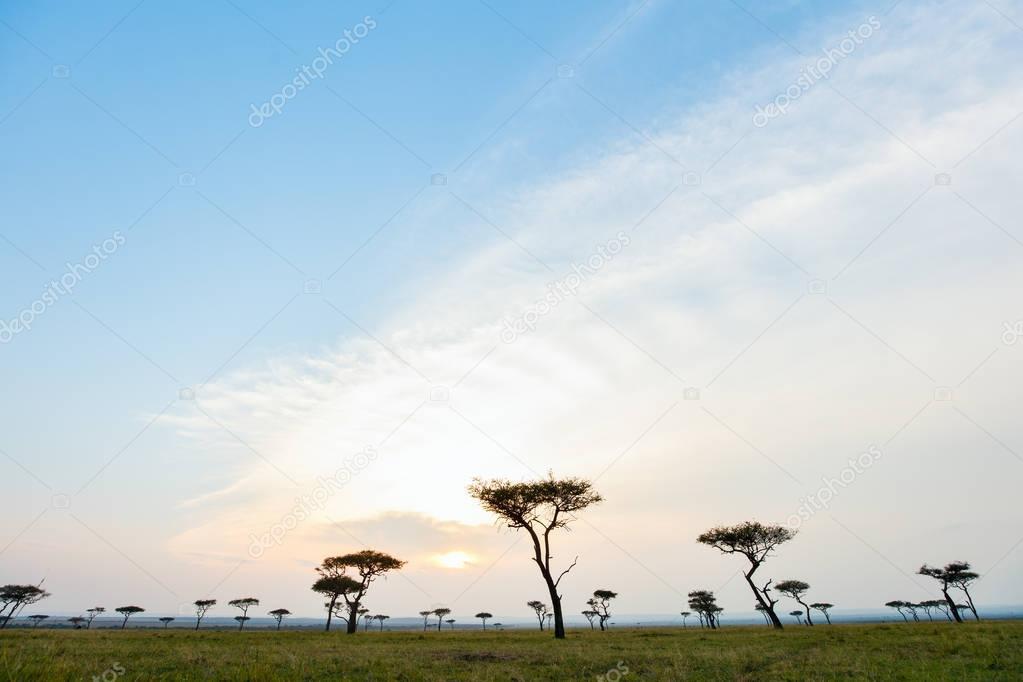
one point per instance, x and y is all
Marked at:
(727, 260)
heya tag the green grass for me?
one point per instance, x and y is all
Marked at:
(918, 651)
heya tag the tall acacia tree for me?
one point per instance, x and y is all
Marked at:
(539, 608)
(202, 606)
(796, 589)
(705, 604)
(128, 612)
(363, 568)
(590, 614)
(945, 578)
(601, 603)
(483, 616)
(334, 587)
(440, 613)
(243, 605)
(755, 541)
(823, 607)
(539, 507)
(961, 576)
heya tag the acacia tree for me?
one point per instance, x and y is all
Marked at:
(483, 615)
(590, 615)
(334, 587)
(363, 613)
(797, 615)
(684, 614)
(93, 612)
(77, 622)
(426, 618)
(759, 608)
(938, 604)
(796, 589)
(912, 608)
(361, 567)
(440, 613)
(823, 607)
(755, 541)
(279, 615)
(166, 620)
(451, 622)
(128, 612)
(962, 577)
(539, 507)
(945, 577)
(37, 619)
(898, 605)
(927, 606)
(243, 605)
(539, 608)
(14, 598)
(201, 607)
(705, 605)
(381, 618)
(601, 604)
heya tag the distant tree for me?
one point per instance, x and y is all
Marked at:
(93, 612)
(77, 622)
(166, 620)
(539, 507)
(426, 618)
(960, 575)
(381, 618)
(928, 606)
(684, 614)
(762, 611)
(451, 622)
(938, 604)
(797, 615)
(37, 619)
(364, 614)
(539, 608)
(962, 608)
(796, 589)
(947, 577)
(334, 588)
(360, 567)
(201, 607)
(898, 605)
(590, 615)
(755, 541)
(14, 598)
(705, 605)
(279, 615)
(823, 607)
(128, 612)
(440, 613)
(483, 616)
(243, 605)
(912, 607)
(548, 616)
(601, 604)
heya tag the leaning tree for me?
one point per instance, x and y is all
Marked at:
(539, 608)
(898, 605)
(961, 576)
(202, 606)
(128, 612)
(333, 587)
(796, 589)
(14, 598)
(37, 619)
(243, 605)
(797, 615)
(823, 607)
(539, 507)
(955, 574)
(590, 614)
(93, 612)
(705, 604)
(483, 615)
(755, 541)
(426, 618)
(362, 568)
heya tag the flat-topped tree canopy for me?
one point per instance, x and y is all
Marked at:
(752, 539)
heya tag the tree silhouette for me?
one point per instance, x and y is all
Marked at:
(365, 618)
(539, 507)
(898, 605)
(823, 607)
(961, 576)
(451, 622)
(759, 608)
(367, 565)
(684, 614)
(755, 541)
(201, 607)
(590, 615)
(951, 575)
(483, 615)
(93, 612)
(440, 613)
(705, 605)
(797, 615)
(77, 622)
(166, 620)
(426, 618)
(37, 619)
(548, 616)
(927, 606)
(938, 604)
(539, 608)
(334, 587)
(243, 605)
(279, 615)
(14, 598)
(381, 618)
(128, 612)
(796, 589)
(601, 603)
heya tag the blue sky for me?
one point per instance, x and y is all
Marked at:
(133, 118)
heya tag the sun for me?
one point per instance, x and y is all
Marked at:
(454, 559)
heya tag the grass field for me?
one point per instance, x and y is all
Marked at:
(921, 651)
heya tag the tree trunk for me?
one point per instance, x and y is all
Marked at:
(768, 606)
(969, 600)
(951, 604)
(440, 622)
(807, 608)
(330, 611)
(124, 622)
(353, 618)
(827, 617)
